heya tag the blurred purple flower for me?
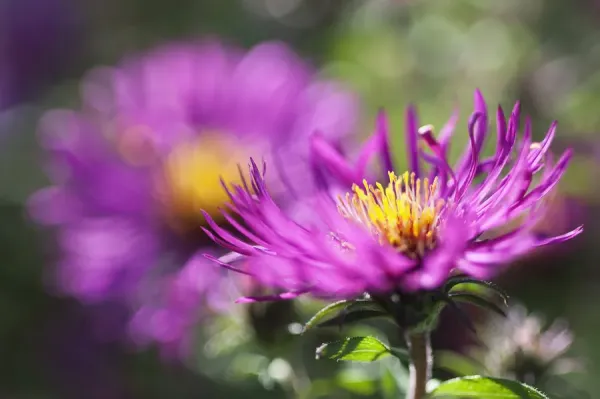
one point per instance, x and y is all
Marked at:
(133, 168)
(409, 234)
(37, 40)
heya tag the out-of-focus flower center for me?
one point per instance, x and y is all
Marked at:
(192, 178)
(405, 213)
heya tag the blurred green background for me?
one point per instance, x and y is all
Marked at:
(429, 52)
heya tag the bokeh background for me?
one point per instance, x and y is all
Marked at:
(391, 52)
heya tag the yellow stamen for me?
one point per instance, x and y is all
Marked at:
(405, 213)
(191, 179)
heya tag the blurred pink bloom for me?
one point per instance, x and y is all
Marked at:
(135, 165)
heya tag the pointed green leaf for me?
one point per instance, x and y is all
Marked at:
(477, 301)
(353, 316)
(476, 386)
(456, 280)
(339, 312)
(325, 312)
(357, 349)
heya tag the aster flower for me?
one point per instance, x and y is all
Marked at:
(134, 166)
(399, 243)
(523, 347)
(405, 236)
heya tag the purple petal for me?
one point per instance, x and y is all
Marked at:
(223, 243)
(332, 160)
(225, 264)
(561, 238)
(537, 155)
(437, 265)
(478, 127)
(500, 129)
(471, 166)
(412, 149)
(547, 184)
(369, 149)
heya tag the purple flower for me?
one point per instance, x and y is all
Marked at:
(134, 166)
(408, 233)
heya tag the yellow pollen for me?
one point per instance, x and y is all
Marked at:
(191, 179)
(404, 214)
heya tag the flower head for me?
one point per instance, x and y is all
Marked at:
(132, 169)
(410, 232)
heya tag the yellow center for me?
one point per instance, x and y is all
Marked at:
(192, 175)
(404, 214)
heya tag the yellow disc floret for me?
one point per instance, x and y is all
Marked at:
(404, 214)
(192, 178)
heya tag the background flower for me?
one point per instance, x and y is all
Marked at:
(135, 165)
(523, 346)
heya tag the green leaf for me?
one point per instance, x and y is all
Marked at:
(477, 301)
(457, 280)
(341, 312)
(477, 386)
(357, 349)
(352, 317)
(325, 312)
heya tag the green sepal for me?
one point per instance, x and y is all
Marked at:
(457, 280)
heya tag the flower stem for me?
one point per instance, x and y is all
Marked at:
(419, 349)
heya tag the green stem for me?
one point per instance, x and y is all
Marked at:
(419, 349)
